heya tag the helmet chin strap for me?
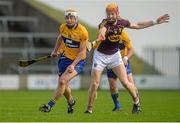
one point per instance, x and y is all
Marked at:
(71, 12)
(71, 26)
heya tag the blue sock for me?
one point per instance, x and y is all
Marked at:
(51, 103)
(115, 100)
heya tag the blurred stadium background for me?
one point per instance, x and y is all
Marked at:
(28, 29)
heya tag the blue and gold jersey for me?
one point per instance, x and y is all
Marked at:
(72, 38)
(125, 43)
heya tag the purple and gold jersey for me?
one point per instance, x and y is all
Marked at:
(124, 43)
(113, 35)
(72, 39)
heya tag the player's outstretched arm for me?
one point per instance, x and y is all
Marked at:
(141, 25)
(163, 19)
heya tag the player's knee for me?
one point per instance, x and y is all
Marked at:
(113, 88)
(95, 84)
(62, 81)
(125, 83)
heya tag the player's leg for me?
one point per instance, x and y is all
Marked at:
(64, 78)
(67, 94)
(112, 78)
(136, 108)
(70, 100)
(129, 74)
(59, 92)
(95, 81)
(117, 65)
(97, 68)
(122, 75)
(63, 81)
(131, 79)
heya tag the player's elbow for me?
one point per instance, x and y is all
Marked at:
(83, 55)
(136, 26)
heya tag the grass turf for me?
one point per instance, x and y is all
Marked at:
(23, 106)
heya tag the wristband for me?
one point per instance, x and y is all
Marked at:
(155, 22)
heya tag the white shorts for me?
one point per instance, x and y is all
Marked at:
(100, 60)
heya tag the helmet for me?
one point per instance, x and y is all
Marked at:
(69, 13)
(112, 7)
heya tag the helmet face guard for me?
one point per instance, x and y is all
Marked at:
(72, 15)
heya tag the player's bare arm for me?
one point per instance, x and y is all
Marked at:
(141, 25)
(128, 56)
(102, 32)
(101, 37)
(58, 43)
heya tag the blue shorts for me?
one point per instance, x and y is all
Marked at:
(64, 62)
(111, 74)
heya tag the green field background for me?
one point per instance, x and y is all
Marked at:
(160, 106)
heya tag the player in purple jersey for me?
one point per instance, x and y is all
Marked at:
(107, 54)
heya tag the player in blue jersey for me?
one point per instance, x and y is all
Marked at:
(71, 43)
(126, 50)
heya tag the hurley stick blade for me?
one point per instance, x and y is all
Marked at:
(25, 63)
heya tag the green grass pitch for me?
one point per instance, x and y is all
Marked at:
(160, 106)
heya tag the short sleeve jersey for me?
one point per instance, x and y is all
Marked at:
(124, 43)
(72, 38)
(111, 44)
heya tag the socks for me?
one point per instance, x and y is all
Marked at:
(71, 102)
(115, 99)
(136, 100)
(51, 103)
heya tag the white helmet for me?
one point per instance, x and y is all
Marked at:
(71, 12)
